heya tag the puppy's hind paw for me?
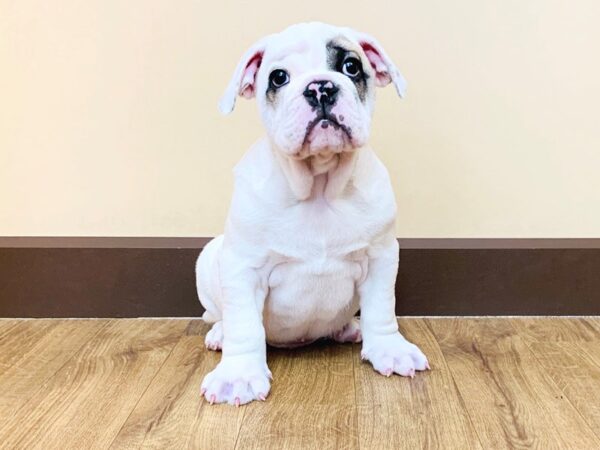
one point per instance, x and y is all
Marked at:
(214, 338)
(349, 333)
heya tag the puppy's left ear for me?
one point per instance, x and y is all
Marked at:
(243, 82)
(385, 70)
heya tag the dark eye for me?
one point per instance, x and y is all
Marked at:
(351, 67)
(278, 78)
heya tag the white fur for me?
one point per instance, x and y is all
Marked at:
(309, 238)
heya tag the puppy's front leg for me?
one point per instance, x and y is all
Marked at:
(383, 345)
(242, 374)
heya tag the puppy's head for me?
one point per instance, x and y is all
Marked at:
(315, 86)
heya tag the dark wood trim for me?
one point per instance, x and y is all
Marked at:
(549, 281)
(199, 242)
(154, 277)
(102, 242)
(498, 243)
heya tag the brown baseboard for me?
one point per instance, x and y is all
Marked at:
(154, 277)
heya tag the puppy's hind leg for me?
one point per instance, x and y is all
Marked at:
(207, 280)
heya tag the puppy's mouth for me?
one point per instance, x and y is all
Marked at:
(325, 120)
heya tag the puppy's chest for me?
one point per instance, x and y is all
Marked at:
(318, 282)
(321, 230)
(318, 268)
(320, 245)
(318, 256)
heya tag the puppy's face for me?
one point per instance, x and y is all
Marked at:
(315, 94)
(315, 86)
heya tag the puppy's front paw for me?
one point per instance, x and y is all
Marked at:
(237, 380)
(394, 354)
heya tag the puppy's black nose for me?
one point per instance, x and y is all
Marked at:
(321, 92)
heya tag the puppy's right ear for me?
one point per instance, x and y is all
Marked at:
(243, 82)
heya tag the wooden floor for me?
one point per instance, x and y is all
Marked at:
(494, 383)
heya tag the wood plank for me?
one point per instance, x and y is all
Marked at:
(424, 412)
(172, 413)
(85, 404)
(312, 401)
(495, 383)
(6, 324)
(20, 338)
(569, 351)
(318, 374)
(558, 329)
(39, 362)
(593, 321)
(278, 425)
(511, 400)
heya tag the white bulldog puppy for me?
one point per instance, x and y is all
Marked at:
(309, 239)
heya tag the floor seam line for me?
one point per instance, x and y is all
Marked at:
(355, 394)
(551, 379)
(142, 395)
(62, 366)
(458, 393)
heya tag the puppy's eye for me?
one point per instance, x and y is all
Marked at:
(351, 67)
(278, 78)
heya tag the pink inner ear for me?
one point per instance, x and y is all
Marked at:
(249, 76)
(382, 74)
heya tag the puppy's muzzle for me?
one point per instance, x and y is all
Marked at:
(321, 93)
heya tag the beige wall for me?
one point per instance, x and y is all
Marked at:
(109, 125)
